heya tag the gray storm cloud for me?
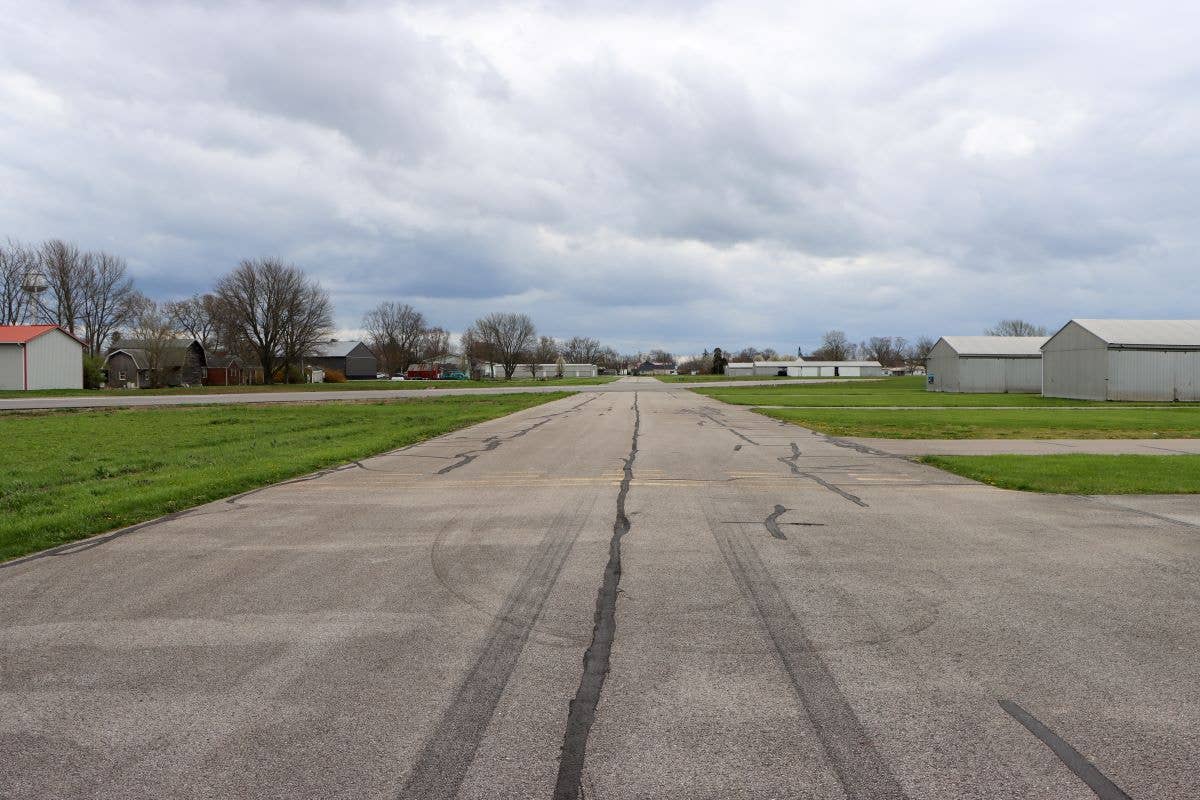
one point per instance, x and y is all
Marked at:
(651, 174)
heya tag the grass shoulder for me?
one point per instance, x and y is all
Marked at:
(1099, 422)
(98, 470)
(348, 386)
(1078, 473)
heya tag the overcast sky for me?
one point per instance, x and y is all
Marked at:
(649, 173)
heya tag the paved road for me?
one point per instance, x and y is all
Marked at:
(102, 400)
(632, 595)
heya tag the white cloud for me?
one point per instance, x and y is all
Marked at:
(684, 174)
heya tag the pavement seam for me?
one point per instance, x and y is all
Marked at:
(582, 709)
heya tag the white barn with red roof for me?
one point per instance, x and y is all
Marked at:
(39, 357)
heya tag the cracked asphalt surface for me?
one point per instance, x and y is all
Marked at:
(585, 599)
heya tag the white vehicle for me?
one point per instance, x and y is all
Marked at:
(399, 378)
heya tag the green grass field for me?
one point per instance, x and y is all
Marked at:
(348, 386)
(1101, 422)
(67, 475)
(884, 392)
(1079, 474)
(719, 378)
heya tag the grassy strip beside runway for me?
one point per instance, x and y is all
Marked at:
(348, 386)
(67, 475)
(907, 391)
(723, 378)
(1100, 422)
(1079, 474)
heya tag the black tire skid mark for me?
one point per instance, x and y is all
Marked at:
(450, 748)
(861, 770)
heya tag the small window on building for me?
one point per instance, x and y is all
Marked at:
(121, 376)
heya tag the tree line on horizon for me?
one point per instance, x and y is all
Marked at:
(270, 313)
(889, 351)
(266, 311)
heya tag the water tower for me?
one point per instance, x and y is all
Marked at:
(33, 285)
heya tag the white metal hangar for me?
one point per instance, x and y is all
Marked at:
(985, 364)
(40, 357)
(1123, 359)
(804, 369)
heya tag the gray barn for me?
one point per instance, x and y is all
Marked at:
(985, 364)
(131, 364)
(1123, 359)
(351, 358)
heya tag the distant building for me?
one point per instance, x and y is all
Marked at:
(352, 358)
(226, 370)
(544, 371)
(40, 357)
(652, 368)
(804, 369)
(1123, 359)
(985, 364)
(130, 364)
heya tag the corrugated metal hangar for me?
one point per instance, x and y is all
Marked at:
(1123, 359)
(985, 364)
(40, 357)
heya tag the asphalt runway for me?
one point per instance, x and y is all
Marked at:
(622, 594)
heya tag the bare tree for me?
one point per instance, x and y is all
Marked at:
(394, 331)
(151, 327)
(108, 298)
(66, 270)
(1015, 327)
(17, 263)
(475, 352)
(918, 351)
(607, 358)
(581, 350)
(277, 310)
(887, 350)
(546, 351)
(198, 316)
(434, 345)
(507, 336)
(834, 347)
(659, 356)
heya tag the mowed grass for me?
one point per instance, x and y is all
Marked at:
(348, 386)
(67, 475)
(1079, 474)
(905, 391)
(1100, 422)
(721, 378)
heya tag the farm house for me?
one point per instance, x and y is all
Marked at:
(985, 364)
(1123, 359)
(39, 357)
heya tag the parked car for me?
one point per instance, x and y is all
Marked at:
(455, 376)
(399, 378)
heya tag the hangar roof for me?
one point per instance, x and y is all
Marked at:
(1144, 332)
(996, 345)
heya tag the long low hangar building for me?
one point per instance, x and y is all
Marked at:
(985, 364)
(1123, 359)
(805, 369)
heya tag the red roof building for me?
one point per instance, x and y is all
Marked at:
(40, 357)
